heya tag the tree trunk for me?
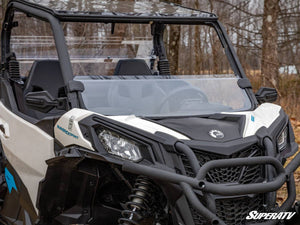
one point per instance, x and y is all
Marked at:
(197, 49)
(214, 40)
(3, 9)
(174, 43)
(270, 61)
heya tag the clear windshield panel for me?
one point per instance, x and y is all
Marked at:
(97, 48)
(158, 96)
(32, 40)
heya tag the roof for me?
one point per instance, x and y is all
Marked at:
(129, 9)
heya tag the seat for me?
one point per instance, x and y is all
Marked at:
(133, 67)
(45, 75)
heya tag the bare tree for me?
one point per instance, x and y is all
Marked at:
(270, 61)
(3, 4)
(174, 39)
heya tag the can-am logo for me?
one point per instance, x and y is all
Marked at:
(217, 134)
(254, 215)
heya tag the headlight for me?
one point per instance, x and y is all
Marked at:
(119, 145)
(282, 140)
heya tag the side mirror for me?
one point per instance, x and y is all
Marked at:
(265, 94)
(44, 102)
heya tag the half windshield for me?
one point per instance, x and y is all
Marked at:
(159, 96)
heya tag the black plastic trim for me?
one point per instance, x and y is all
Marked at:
(244, 83)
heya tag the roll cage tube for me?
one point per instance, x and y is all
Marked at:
(73, 87)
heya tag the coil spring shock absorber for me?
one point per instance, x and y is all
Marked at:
(139, 202)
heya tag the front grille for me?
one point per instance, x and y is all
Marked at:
(239, 174)
(232, 211)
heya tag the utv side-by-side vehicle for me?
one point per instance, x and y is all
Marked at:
(135, 112)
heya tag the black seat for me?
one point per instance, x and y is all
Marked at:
(45, 75)
(132, 67)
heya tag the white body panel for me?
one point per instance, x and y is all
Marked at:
(27, 148)
(72, 135)
(69, 136)
(148, 126)
(263, 116)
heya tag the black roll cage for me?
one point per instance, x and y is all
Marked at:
(74, 88)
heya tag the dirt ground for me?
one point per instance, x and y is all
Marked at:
(282, 194)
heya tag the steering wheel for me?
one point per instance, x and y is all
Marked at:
(178, 95)
(137, 97)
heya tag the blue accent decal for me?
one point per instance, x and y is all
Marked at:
(11, 184)
(67, 132)
(252, 118)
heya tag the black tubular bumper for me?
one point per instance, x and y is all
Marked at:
(189, 184)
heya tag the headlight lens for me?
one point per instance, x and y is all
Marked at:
(121, 146)
(282, 140)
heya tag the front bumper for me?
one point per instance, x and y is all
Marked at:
(198, 183)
